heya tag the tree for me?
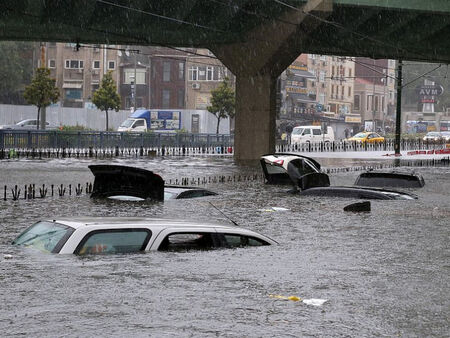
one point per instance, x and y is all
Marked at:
(106, 97)
(42, 91)
(222, 102)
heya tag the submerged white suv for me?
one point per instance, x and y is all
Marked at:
(126, 235)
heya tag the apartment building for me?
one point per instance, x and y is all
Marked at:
(79, 70)
(204, 74)
(333, 82)
(374, 97)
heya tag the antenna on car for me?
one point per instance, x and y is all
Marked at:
(223, 214)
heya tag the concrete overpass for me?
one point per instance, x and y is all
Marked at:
(255, 39)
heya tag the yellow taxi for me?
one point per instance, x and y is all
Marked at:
(366, 136)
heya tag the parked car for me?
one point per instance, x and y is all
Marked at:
(125, 183)
(308, 134)
(445, 136)
(432, 136)
(367, 137)
(307, 179)
(28, 124)
(114, 235)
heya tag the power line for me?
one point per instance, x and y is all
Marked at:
(160, 16)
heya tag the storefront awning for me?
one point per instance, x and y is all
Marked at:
(72, 85)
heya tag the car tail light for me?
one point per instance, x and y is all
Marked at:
(278, 162)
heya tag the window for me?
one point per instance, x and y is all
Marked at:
(323, 58)
(376, 103)
(357, 102)
(188, 241)
(139, 123)
(193, 73)
(166, 71)
(209, 73)
(317, 132)
(332, 70)
(111, 65)
(166, 98)
(307, 131)
(349, 72)
(180, 98)
(74, 64)
(201, 73)
(128, 74)
(322, 76)
(369, 101)
(96, 64)
(114, 241)
(350, 91)
(181, 71)
(52, 63)
(236, 241)
(45, 236)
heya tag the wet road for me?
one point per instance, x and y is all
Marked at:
(385, 273)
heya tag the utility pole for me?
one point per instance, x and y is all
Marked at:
(41, 121)
(398, 116)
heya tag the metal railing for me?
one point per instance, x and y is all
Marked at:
(18, 139)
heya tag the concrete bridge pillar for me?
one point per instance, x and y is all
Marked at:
(267, 51)
(254, 133)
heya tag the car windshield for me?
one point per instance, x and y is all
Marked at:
(297, 131)
(127, 123)
(44, 236)
(433, 134)
(360, 135)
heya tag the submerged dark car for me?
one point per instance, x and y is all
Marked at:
(304, 174)
(391, 178)
(135, 184)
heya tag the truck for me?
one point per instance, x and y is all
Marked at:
(144, 120)
(310, 134)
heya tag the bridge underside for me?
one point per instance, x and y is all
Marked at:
(255, 39)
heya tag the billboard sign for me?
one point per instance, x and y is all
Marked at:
(165, 120)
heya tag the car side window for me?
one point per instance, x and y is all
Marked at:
(114, 241)
(307, 131)
(138, 123)
(237, 241)
(317, 132)
(188, 241)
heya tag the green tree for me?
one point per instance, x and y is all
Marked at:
(222, 102)
(41, 92)
(106, 97)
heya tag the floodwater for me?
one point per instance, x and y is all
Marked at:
(383, 273)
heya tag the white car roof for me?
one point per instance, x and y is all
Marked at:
(78, 222)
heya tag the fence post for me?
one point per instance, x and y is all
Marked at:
(2, 139)
(29, 139)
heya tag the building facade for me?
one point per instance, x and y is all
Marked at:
(79, 71)
(374, 97)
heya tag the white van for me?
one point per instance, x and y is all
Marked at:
(309, 134)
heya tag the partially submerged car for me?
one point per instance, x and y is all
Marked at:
(135, 184)
(114, 235)
(390, 178)
(307, 179)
